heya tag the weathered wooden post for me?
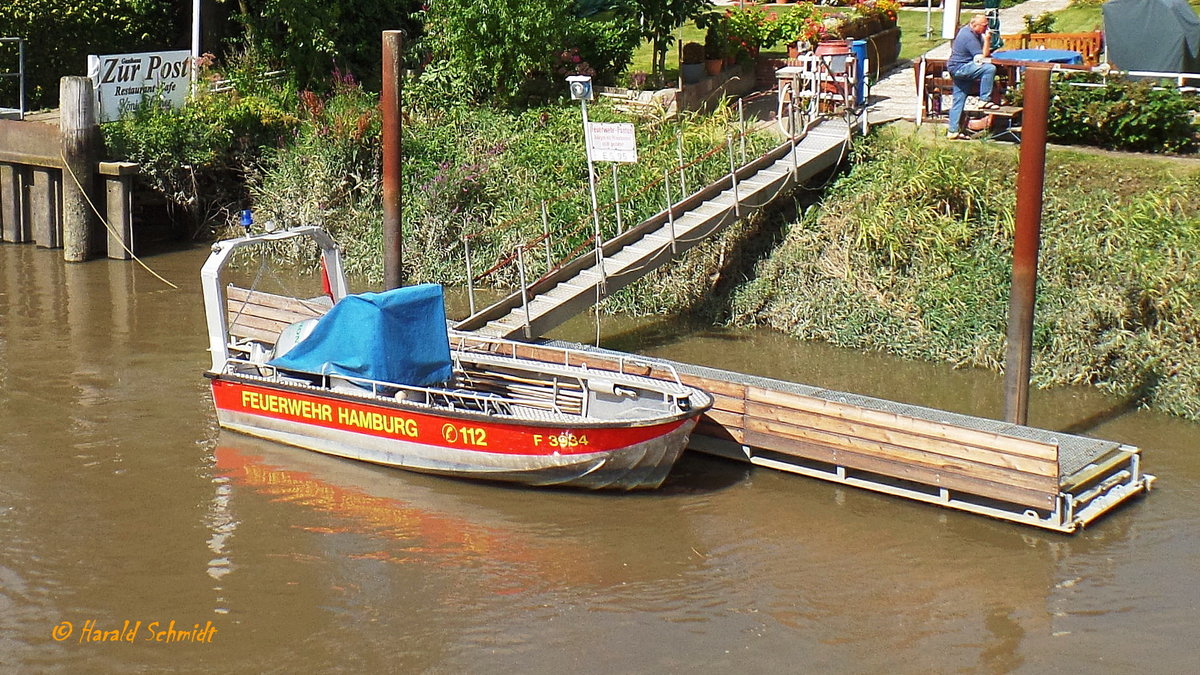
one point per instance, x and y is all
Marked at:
(1031, 174)
(393, 151)
(46, 207)
(14, 219)
(77, 125)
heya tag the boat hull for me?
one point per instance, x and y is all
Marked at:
(595, 455)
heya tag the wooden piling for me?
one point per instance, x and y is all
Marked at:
(1031, 173)
(389, 101)
(46, 207)
(13, 219)
(118, 185)
(80, 137)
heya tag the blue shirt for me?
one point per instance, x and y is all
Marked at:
(967, 43)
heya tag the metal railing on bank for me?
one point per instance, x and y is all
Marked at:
(19, 75)
(615, 212)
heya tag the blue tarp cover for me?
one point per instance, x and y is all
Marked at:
(396, 336)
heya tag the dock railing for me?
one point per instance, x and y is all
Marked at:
(18, 74)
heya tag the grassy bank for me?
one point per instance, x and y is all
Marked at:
(910, 254)
(480, 175)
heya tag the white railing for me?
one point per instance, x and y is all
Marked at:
(19, 74)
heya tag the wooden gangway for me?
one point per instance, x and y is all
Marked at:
(579, 284)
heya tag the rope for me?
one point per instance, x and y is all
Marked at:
(108, 227)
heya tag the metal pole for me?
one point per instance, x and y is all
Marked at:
(1031, 173)
(742, 128)
(21, 69)
(524, 289)
(389, 102)
(737, 202)
(792, 122)
(587, 146)
(921, 91)
(470, 276)
(682, 172)
(195, 40)
(950, 14)
(617, 198)
(670, 211)
(546, 232)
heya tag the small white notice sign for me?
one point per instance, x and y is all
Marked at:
(123, 80)
(612, 142)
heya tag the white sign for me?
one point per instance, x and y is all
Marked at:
(122, 80)
(612, 142)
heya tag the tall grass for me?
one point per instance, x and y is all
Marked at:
(481, 175)
(910, 254)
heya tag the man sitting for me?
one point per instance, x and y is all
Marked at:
(969, 64)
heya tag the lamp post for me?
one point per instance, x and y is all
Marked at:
(581, 90)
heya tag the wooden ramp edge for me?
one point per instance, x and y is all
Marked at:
(1046, 479)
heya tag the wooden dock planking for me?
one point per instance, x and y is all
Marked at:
(932, 429)
(883, 437)
(957, 461)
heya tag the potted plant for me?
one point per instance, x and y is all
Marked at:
(714, 48)
(692, 62)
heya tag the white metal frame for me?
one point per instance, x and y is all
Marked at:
(20, 75)
(1071, 511)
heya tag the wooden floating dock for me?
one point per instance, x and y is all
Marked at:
(1046, 479)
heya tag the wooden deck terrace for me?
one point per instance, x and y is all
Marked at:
(1046, 479)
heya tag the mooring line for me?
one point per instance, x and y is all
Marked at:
(108, 227)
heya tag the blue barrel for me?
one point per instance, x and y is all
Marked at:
(859, 47)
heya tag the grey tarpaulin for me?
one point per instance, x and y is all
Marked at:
(1159, 35)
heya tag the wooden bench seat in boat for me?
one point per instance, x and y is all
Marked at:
(259, 316)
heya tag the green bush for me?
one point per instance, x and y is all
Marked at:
(313, 39)
(518, 51)
(196, 156)
(477, 173)
(1123, 115)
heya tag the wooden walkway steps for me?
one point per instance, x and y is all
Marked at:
(576, 286)
(1046, 479)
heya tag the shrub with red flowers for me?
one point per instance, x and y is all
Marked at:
(569, 62)
(751, 28)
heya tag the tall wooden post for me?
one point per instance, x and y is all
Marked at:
(393, 151)
(1031, 175)
(80, 134)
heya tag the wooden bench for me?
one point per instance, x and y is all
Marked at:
(258, 316)
(940, 86)
(1089, 45)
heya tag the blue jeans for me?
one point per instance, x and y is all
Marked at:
(964, 76)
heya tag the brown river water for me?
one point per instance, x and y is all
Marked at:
(125, 513)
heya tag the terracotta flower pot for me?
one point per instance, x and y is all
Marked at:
(713, 66)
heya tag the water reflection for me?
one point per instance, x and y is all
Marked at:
(515, 540)
(119, 499)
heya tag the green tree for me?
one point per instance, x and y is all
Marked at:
(313, 38)
(495, 49)
(658, 20)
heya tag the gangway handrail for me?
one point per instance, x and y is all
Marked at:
(19, 74)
